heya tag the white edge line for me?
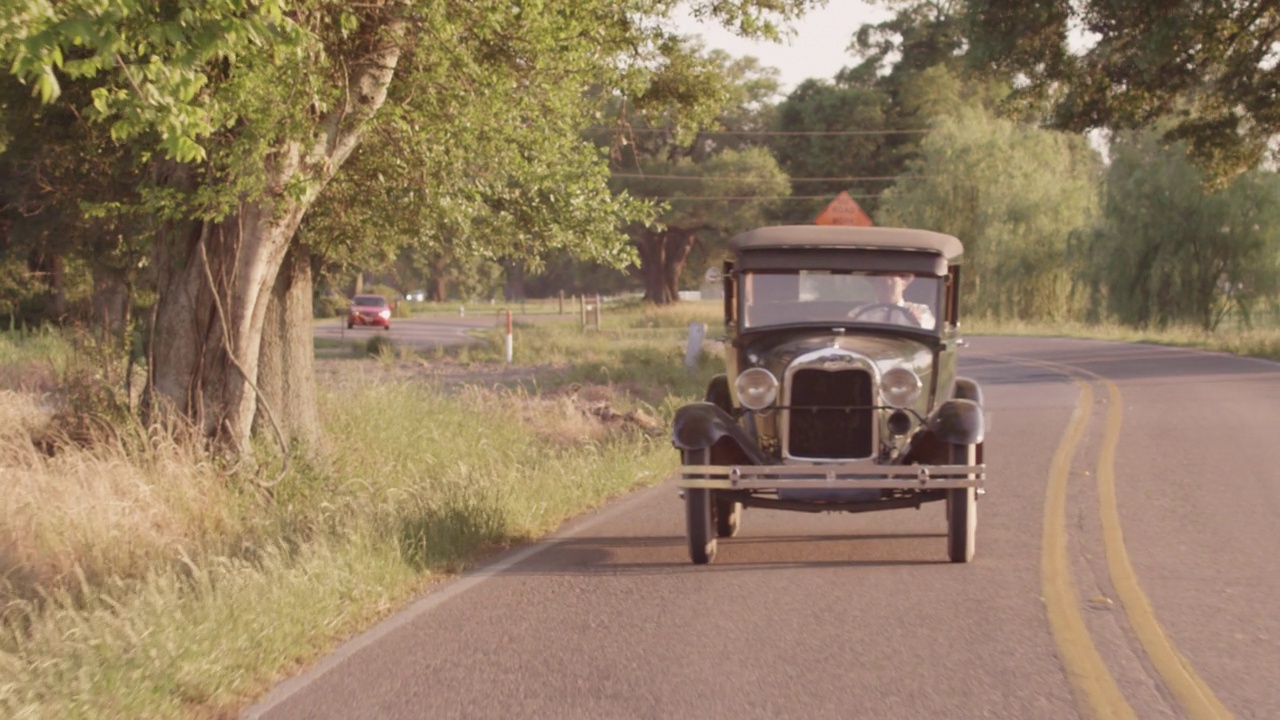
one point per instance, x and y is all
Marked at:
(287, 689)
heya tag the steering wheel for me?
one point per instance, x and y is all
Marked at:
(888, 310)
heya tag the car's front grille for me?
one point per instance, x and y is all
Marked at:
(830, 414)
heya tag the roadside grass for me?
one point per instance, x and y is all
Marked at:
(29, 360)
(1261, 340)
(638, 348)
(141, 579)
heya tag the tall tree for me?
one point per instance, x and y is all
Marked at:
(1014, 194)
(706, 181)
(242, 113)
(731, 191)
(855, 117)
(909, 72)
(1117, 65)
(1167, 251)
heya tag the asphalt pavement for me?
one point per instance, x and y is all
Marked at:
(1126, 567)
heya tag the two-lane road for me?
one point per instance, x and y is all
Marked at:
(1128, 557)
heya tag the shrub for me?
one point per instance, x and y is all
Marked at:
(380, 346)
(330, 305)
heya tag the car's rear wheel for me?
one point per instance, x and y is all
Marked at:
(350, 325)
(728, 517)
(697, 510)
(962, 510)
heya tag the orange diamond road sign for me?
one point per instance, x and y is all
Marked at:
(843, 211)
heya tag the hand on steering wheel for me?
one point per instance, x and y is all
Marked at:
(888, 309)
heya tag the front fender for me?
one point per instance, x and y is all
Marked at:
(968, 389)
(700, 425)
(959, 422)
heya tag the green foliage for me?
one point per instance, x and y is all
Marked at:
(380, 346)
(1014, 194)
(1166, 252)
(328, 305)
(821, 106)
(1207, 66)
(385, 291)
(478, 154)
(152, 67)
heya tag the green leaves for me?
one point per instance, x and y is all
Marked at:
(146, 65)
(1207, 66)
(1169, 252)
(1015, 195)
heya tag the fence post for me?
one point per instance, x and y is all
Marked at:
(582, 308)
(561, 310)
(598, 311)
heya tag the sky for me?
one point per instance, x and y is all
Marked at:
(818, 48)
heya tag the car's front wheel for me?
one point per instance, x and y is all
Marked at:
(962, 510)
(698, 513)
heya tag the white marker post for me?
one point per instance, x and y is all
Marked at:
(697, 333)
(510, 345)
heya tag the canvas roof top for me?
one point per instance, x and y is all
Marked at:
(842, 237)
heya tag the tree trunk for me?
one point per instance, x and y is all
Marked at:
(514, 287)
(439, 289)
(110, 302)
(677, 245)
(650, 249)
(286, 375)
(216, 280)
(662, 258)
(58, 286)
(439, 279)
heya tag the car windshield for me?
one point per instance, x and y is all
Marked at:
(370, 301)
(879, 298)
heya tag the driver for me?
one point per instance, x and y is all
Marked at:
(889, 287)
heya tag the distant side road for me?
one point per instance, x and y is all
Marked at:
(425, 332)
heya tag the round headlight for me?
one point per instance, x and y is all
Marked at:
(899, 387)
(757, 388)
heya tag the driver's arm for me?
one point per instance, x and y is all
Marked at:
(922, 314)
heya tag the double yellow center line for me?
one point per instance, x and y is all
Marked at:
(1095, 688)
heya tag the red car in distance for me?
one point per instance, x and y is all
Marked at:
(371, 310)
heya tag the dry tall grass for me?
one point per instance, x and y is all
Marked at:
(117, 506)
(141, 579)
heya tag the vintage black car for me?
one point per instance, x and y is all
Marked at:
(841, 392)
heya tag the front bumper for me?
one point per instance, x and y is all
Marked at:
(863, 475)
